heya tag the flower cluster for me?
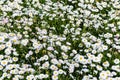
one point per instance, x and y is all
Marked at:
(59, 40)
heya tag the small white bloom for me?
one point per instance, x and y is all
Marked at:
(106, 64)
(4, 62)
(116, 61)
(58, 43)
(80, 58)
(96, 59)
(56, 73)
(109, 55)
(105, 47)
(99, 68)
(15, 59)
(1, 67)
(54, 77)
(64, 48)
(45, 57)
(71, 68)
(30, 77)
(24, 42)
(1, 57)
(50, 48)
(2, 46)
(9, 44)
(54, 61)
(45, 65)
(103, 75)
(8, 51)
(53, 67)
(2, 39)
(91, 1)
(61, 71)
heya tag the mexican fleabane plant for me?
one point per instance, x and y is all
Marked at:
(59, 40)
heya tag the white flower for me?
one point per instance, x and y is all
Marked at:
(14, 71)
(53, 67)
(15, 59)
(1, 57)
(56, 73)
(85, 77)
(19, 35)
(8, 44)
(74, 51)
(116, 61)
(85, 70)
(44, 31)
(61, 71)
(71, 68)
(92, 65)
(54, 61)
(36, 45)
(9, 67)
(30, 77)
(46, 76)
(21, 72)
(105, 47)
(99, 68)
(8, 51)
(108, 35)
(1, 2)
(94, 78)
(2, 39)
(114, 73)
(24, 42)
(4, 62)
(100, 55)
(61, 61)
(41, 76)
(79, 58)
(45, 65)
(94, 51)
(54, 77)
(12, 34)
(64, 48)
(108, 73)
(82, 1)
(108, 41)
(84, 40)
(15, 53)
(87, 13)
(15, 40)
(1, 67)
(15, 78)
(109, 55)
(65, 56)
(91, 1)
(50, 48)
(45, 57)
(104, 4)
(30, 52)
(117, 47)
(96, 59)
(118, 78)
(58, 43)
(87, 44)
(103, 75)
(5, 20)
(2, 46)
(4, 74)
(116, 68)
(106, 64)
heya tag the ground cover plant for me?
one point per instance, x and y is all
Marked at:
(59, 40)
